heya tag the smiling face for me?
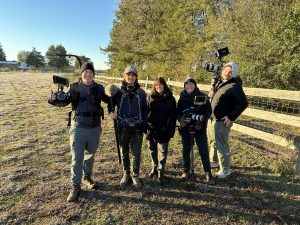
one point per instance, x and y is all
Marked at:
(130, 78)
(87, 77)
(227, 73)
(189, 87)
(159, 87)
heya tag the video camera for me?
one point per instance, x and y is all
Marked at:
(189, 114)
(61, 81)
(216, 69)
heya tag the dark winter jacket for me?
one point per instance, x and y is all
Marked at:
(131, 104)
(86, 103)
(186, 101)
(229, 100)
(162, 115)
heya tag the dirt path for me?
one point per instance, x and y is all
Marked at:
(34, 175)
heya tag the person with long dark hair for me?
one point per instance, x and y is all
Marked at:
(161, 124)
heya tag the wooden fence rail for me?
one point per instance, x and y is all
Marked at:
(288, 142)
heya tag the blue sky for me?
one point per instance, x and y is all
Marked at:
(81, 26)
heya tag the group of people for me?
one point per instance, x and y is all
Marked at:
(135, 113)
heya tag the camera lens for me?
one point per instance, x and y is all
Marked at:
(61, 96)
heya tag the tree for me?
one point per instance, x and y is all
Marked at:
(53, 58)
(175, 38)
(35, 58)
(22, 56)
(2, 54)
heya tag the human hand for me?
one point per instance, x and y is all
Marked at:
(211, 94)
(227, 121)
(113, 115)
(53, 96)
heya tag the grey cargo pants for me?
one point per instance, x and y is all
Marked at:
(84, 143)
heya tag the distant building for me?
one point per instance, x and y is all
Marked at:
(9, 64)
(24, 66)
(14, 65)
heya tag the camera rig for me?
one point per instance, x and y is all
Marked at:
(190, 113)
(216, 69)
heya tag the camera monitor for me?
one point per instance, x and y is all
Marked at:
(200, 100)
(58, 79)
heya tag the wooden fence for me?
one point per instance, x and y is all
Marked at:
(288, 141)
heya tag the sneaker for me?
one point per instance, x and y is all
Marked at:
(209, 178)
(153, 173)
(136, 183)
(214, 165)
(185, 175)
(89, 183)
(74, 194)
(223, 174)
(125, 180)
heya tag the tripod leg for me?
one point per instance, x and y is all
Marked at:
(192, 155)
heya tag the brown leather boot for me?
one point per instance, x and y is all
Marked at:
(74, 193)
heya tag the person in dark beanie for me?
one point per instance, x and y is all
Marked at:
(85, 97)
(194, 110)
(228, 102)
(162, 123)
(131, 119)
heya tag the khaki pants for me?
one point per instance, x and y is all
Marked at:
(159, 153)
(213, 155)
(221, 139)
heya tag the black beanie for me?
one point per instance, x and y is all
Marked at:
(87, 66)
(191, 79)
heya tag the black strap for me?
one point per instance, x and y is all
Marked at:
(88, 114)
(69, 118)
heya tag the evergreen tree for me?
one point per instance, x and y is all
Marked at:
(54, 59)
(35, 58)
(2, 54)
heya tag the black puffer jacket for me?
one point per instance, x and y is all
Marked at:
(162, 115)
(229, 100)
(186, 101)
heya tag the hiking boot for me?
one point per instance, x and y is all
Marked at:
(223, 174)
(153, 173)
(125, 180)
(136, 183)
(209, 178)
(214, 164)
(74, 194)
(89, 183)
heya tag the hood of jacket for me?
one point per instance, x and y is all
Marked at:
(234, 67)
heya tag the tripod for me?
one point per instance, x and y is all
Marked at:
(192, 132)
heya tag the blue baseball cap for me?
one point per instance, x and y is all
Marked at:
(130, 69)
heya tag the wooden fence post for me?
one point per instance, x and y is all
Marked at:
(168, 83)
(146, 84)
(298, 165)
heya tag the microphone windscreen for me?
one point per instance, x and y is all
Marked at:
(111, 90)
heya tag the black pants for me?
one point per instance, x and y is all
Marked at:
(200, 138)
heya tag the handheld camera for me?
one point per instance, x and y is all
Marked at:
(61, 82)
(216, 69)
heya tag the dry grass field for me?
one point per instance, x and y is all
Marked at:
(34, 174)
